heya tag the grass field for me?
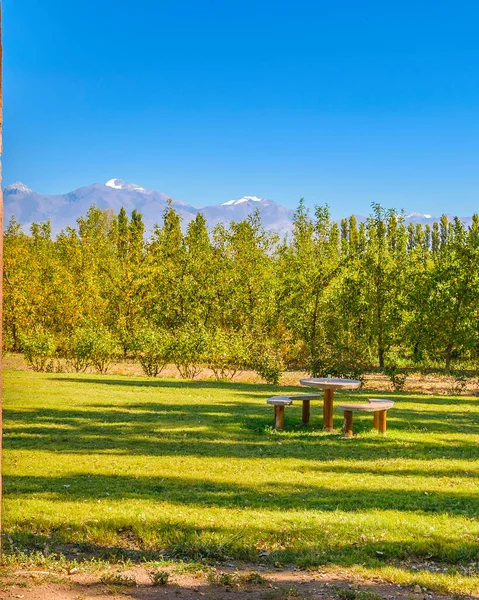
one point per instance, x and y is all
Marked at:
(132, 467)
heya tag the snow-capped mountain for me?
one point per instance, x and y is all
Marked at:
(416, 215)
(119, 184)
(274, 216)
(243, 200)
(17, 188)
(28, 207)
(425, 219)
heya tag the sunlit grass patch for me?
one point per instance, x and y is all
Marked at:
(138, 469)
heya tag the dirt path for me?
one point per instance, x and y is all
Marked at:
(226, 584)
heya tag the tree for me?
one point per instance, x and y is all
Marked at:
(383, 280)
(333, 298)
(453, 292)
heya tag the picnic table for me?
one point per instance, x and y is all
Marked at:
(329, 384)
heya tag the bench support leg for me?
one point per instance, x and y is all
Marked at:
(279, 418)
(348, 423)
(328, 410)
(306, 411)
(376, 420)
(382, 421)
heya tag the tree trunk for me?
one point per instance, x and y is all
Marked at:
(381, 357)
(314, 320)
(416, 353)
(379, 319)
(449, 350)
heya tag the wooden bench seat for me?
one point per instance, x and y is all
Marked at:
(375, 405)
(279, 402)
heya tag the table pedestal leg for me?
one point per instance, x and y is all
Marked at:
(279, 418)
(382, 421)
(306, 411)
(328, 410)
(348, 423)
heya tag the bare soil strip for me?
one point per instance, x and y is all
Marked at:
(272, 585)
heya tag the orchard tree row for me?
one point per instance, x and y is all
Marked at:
(332, 298)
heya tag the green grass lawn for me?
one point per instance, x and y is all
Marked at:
(134, 467)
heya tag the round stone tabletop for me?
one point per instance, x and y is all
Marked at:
(326, 383)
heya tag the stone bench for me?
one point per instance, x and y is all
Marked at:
(376, 406)
(279, 402)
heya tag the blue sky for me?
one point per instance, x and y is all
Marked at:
(341, 102)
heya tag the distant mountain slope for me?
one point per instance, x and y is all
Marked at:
(27, 206)
(274, 216)
(423, 219)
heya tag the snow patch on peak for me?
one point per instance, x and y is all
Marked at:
(17, 187)
(114, 183)
(242, 200)
(418, 215)
(119, 184)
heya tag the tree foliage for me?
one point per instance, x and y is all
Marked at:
(332, 298)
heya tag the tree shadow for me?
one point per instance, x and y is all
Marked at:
(232, 428)
(398, 470)
(300, 545)
(230, 386)
(267, 495)
(239, 426)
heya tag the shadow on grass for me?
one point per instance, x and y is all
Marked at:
(301, 546)
(267, 495)
(154, 425)
(234, 427)
(260, 388)
(246, 389)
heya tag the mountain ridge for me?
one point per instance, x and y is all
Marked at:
(28, 206)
